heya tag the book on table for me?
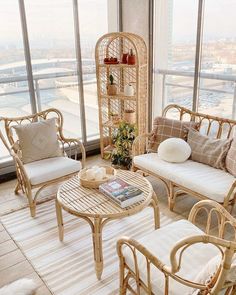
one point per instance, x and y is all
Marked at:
(121, 192)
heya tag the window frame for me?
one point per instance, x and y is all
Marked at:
(113, 8)
(198, 56)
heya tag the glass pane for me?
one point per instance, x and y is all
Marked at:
(175, 30)
(52, 44)
(218, 61)
(14, 95)
(93, 24)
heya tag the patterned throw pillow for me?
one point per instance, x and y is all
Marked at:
(208, 150)
(231, 159)
(164, 128)
(38, 140)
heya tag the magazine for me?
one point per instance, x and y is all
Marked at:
(121, 192)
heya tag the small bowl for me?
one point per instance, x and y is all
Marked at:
(110, 174)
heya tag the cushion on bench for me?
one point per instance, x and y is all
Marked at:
(159, 243)
(203, 179)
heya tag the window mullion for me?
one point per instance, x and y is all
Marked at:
(79, 70)
(27, 56)
(198, 54)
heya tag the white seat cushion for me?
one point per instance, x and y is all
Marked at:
(159, 243)
(203, 179)
(51, 168)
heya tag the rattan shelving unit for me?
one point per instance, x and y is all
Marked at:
(114, 45)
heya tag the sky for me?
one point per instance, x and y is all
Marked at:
(52, 20)
(219, 19)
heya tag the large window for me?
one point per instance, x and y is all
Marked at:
(14, 92)
(195, 49)
(57, 38)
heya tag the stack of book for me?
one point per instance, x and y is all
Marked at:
(121, 192)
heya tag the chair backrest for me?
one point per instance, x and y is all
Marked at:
(9, 123)
(212, 126)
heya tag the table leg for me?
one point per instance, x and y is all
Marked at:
(154, 204)
(59, 221)
(97, 247)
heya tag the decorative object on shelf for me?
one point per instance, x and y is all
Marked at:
(115, 118)
(110, 60)
(95, 176)
(131, 58)
(123, 96)
(124, 58)
(129, 90)
(123, 139)
(107, 152)
(129, 116)
(111, 87)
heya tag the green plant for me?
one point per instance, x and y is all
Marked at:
(111, 78)
(123, 139)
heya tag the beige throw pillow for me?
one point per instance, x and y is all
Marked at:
(38, 140)
(207, 150)
(164, 128)
(231, 159)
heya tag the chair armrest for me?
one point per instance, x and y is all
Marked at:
(75, 147)
(226, 248)
(20, 169)
(135, 247)
(232, 191)
(211, 208)
(140, 144)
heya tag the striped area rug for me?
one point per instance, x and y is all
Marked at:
(67, 267)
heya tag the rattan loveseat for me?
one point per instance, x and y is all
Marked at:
(192, 178)
(180, 258)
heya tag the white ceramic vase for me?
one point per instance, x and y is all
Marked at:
(128, 90)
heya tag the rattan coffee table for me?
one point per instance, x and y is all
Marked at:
(97, 209)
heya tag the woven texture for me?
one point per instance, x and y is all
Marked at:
(231, 159)
(207, 150)
(68, 267)
(38, 140)
(164, 128)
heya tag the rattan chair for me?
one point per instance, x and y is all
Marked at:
(45, 173)
(170, 259)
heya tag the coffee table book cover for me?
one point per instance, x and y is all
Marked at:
(121, 192)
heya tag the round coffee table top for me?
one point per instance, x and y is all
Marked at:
(82, 201)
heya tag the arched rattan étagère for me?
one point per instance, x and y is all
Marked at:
(115, 45)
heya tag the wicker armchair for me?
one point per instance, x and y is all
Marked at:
(59, 171)
(158, 263)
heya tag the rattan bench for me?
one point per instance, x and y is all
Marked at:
(204, 182)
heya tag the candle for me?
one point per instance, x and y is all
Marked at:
(90, 174)
(103, 170)
(98, 175)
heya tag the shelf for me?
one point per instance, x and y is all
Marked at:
(110, 124)
(117, 66)
(119, 96)
(121, 66)
(115, 44)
